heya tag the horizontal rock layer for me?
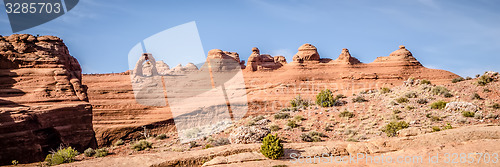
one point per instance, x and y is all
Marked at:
(43, 104)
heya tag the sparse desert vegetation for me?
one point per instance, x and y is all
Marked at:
(271, 147)
(62, 155)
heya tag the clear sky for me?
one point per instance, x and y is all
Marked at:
(461, 36)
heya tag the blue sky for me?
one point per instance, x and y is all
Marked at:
(457, 35)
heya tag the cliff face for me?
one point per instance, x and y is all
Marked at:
(270, 84)
(42, 102)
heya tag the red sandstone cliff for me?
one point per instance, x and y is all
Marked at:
(42, 102)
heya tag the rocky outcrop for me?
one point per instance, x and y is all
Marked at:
(259, 62)
(307, 52)
(400, 57)
(346, 58)
(162, 67)
(223, 60)
(42, 102)
(461, 106)
(246, 135)
(117, 115)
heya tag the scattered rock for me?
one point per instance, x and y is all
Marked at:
(262, 122)
(246, 135)
(461, 106)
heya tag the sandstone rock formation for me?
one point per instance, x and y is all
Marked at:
(346, 58)
(42, 102)
(191, 67)
(259, 62)
(162, 67)
(222, 60)
(402, 56)
(307, 52)
(117, 114)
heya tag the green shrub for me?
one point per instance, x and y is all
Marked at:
(250, 123)
(299, 118)
(193, 144)
(422, 101)
(395, 117)
(448, 126)
(483, 80)
(274, 128)
(89, 152)
(424, 81)
(292, 124)
(101, 152)
(393, 127)
(459, 79)
(62, 155)
(258, 118)
(486, 90)
(271, 147)
(438, 105)
(340, 96)
(325, 98)
(359, 99)
(141, 145)
(385, 90)
(495, 106)
(207, 146)
(468, 78)
(410, 107)
(289, 109)
(280, 166)
(119, 142)
(476, 96)
(351, 140)
(411, 95)
(281, 116)
(14, 162)
(402, 100)
(436, 129)
(468, 114)
(312, 136)
(448, 95)
(299, 102)
(435, 118)
(346, 114)
(439, 90)
(161, 136)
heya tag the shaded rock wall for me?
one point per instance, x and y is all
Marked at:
(42, 102)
